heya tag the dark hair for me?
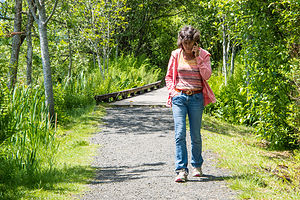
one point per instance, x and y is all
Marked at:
(188, 33)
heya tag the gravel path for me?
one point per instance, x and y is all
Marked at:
(136, 160)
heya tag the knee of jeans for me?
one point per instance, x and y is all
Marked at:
(197, 142)
(196, 139)
(179, 138)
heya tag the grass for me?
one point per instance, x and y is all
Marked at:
(257, 173)
(72, 169)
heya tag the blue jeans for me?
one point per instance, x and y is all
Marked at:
(192, 106)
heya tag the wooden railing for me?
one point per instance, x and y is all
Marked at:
(111, 97)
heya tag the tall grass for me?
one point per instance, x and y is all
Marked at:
(29, 147)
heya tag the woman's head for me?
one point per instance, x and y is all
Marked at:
(188, 35)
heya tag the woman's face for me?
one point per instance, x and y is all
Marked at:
(188, 45)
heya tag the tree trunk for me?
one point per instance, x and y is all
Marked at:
(16, 44)
(247, 68)
(108, 48)
(99, 64)
(233, 53)
(42, 21)
(104, 58)
(70, 55)
(94, 60)
(46, 61)
(227, 50)
(224, 50)
(29, 48)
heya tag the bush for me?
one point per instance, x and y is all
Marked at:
(270, 103)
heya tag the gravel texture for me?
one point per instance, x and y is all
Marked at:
(136, 160)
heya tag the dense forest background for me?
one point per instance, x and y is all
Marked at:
(56, 55)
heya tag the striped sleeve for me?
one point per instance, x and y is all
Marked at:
(203, 61)
(169, 76)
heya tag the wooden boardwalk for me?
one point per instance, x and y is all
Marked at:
(154, 98)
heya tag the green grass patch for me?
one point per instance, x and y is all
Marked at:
(71, 171)
(257, 173)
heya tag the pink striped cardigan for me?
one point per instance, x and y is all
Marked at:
(203, 61)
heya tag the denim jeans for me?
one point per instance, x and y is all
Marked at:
(193, 106)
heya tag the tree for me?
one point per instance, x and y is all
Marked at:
(151, 29)
(102, 17)
(41, 19)
(16, 44)
(30, 21)
(225, 45)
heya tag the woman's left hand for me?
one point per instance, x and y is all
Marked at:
(196, 50)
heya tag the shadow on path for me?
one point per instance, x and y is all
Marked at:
(115, 174)
(138, 120)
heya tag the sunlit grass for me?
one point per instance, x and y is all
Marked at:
(257, 173)
(71, 171)
(73, 161)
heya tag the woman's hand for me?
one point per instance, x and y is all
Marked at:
(196, 49)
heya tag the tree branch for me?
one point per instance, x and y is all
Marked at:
(6, 18)
(32, 10)
(52, 12)
(38, 4)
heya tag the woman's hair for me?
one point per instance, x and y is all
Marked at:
(188, 33)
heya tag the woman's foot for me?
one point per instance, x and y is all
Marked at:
(181, 176)
(197, 172)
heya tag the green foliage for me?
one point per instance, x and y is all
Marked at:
(151, 29)
(270, 102)
(259, 94)
(125, 72)
(231, 102)
(267, 103)
(29, 144)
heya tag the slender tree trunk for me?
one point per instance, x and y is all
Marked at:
(94, 60)
(233, 53)
(99, 64)
(108, 48)
(104, 58)
(227, 50)
(46, 60)
(29, 48)
(224, 50)
(247, 68)
(42, 21)
(16, 44)
(70, 55)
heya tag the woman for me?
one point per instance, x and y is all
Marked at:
(188, 70)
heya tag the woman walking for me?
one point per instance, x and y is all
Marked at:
(186, 79)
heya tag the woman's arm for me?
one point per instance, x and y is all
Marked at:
(169, 77)
(203, 61)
